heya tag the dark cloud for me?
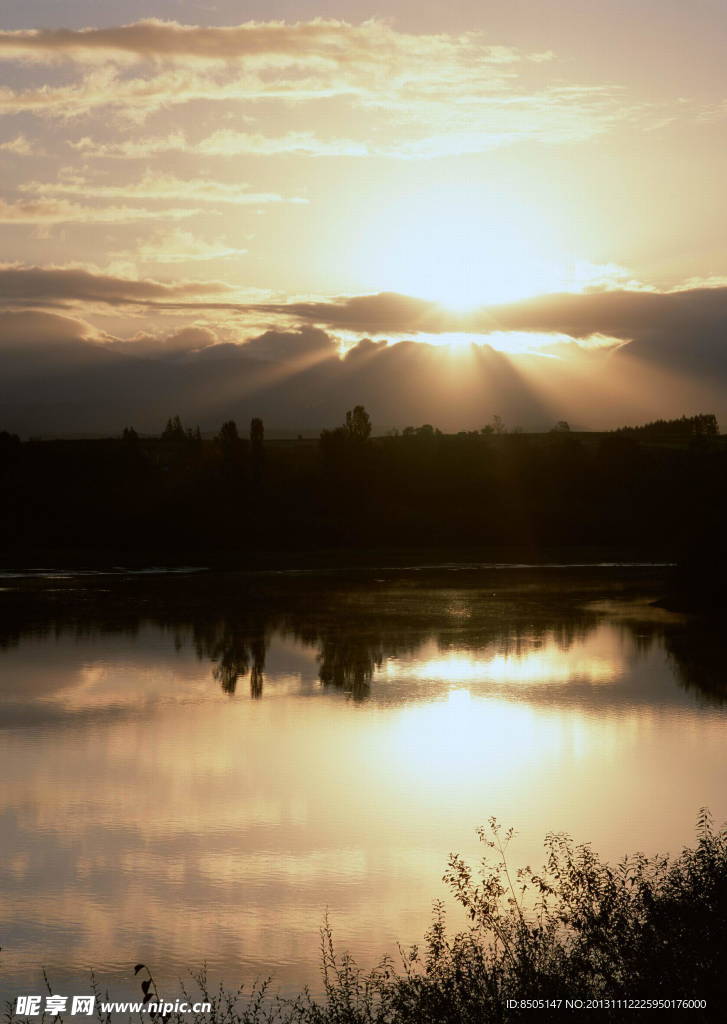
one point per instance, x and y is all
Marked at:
(38, 349)
(61, 375)
(684, 330)
(45, 286)
(181, 342)
(385, 313)
(280, 346)
(61, 378)
(681, 331)
(622, 314)
(32, 328)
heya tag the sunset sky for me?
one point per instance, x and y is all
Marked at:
(443, 210)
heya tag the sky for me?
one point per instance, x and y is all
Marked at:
(443, 211)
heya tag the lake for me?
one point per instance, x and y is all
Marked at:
(196, 767)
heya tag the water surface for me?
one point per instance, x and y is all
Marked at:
(196, 769)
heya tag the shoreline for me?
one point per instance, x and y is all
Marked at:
(112, 561)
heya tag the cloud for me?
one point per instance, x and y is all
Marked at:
(440, 93)
(65, 101)
(385, 313)
(59, 377)
(619, 313)
(623, 313)
(63, 376)
(281, 346)
(711, 281)
(681, 329)
(48, 285)
(226, 142)
(136, 97)
(498, 124)
(136, 148)
(612, 357)
(158, 187)
(20, 146)
(33, 328)
(60, 211)
(680, 332)
(38, 348)
(181, 247)
(179, 342)
(321, 40)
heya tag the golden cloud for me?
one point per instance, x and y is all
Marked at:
(60, 211)
(155, 187)
(181, 247)
(458, 91)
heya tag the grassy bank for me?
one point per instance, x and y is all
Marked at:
(579, 929)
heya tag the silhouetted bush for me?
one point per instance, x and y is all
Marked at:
(581, 929)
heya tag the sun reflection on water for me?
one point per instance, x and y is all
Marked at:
(187, 822)
(595, 661)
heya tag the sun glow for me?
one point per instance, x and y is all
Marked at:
(449, 247)
(467, 248)
(462, 272)
(465, 278)
(547, 667)
(510, 342)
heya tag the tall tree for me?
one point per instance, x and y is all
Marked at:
(228, 436)
(358, 424)
(257, 437)
(174, 431)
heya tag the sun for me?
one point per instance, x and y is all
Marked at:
(463, 272)
(438, 247)
(460, 281)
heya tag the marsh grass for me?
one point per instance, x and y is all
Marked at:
(649, 927)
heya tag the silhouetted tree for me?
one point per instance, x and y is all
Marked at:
(426, 432)
(257, 431)
(257, 437)
(228, 436)
(231, 448)
(174, 431)
(348, 662)
(704, 424)
(358, 424)
(630, 491)
(132, 455)
(258, 649)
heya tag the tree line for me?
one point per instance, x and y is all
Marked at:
(633, 492)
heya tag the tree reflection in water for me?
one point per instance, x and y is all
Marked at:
(356, 625)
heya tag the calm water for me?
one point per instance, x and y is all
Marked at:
(196, 769)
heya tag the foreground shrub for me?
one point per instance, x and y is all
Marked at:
(648, 928)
